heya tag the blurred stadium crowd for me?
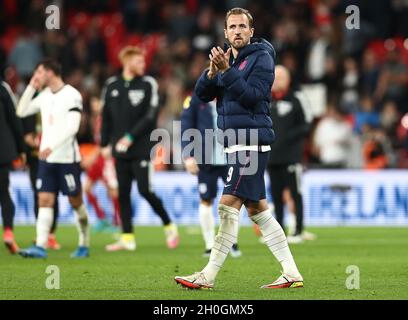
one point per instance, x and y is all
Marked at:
(364, 71)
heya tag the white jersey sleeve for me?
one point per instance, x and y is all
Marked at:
(27, 105)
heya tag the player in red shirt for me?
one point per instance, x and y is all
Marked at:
(99, 168)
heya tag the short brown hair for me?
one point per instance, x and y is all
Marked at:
(51, 64)
(129, 51)
(237, 11)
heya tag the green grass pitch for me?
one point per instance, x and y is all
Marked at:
(380, 253)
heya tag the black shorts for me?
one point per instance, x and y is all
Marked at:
(208, 180)
(56, 177)
(245, 175)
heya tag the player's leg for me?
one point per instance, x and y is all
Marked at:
(52, 242)
(143, 171)
(228, 211)
(207, 224)
(294, 183)
(94, 173)
(125, 177)
(291, 217)
(276, 241)
(33, 165)
(207, 188)
(111, 182)
(7, 210)
(70, 185)
(101, 223)
(47, 188)
(277, 181)
(235, 252)
(82, 223)
(293, 176)
(88, 186)
(239, 185)
(113, 193)
(46, 201)
(33, 169)
(52, 238)
(273, 234)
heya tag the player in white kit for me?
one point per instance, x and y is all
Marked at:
(59, 170)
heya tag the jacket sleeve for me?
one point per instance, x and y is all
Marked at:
(29, 124)
(258, 85)
(150, 116)
(188, 121)
(206, 89)
(15, 123)
(106, 129)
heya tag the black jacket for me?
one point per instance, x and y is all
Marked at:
(291, 127)
(130, 107)
(11, 130)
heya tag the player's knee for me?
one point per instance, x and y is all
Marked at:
(231, 201)
(253, 208)
(75, 201)
(87, 187)
(113, 193)
(46, 200)
(207, 202)
(148, 195)
(252, 211)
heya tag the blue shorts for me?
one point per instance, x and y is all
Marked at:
(245, 175)
(56, 177)
(208, 180)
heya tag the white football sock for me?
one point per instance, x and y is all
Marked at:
(207, 224)
(82, 226)
(226, 237)
(275, 239)
(43, 226)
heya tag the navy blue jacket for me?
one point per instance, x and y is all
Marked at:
(198, 114)
(243, 92)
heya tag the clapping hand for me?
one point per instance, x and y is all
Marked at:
(220, 59)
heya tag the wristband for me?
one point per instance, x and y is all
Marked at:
(129, 137)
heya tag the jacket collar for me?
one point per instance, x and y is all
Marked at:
(255, 44)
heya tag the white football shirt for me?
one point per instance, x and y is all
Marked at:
(60, 118)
